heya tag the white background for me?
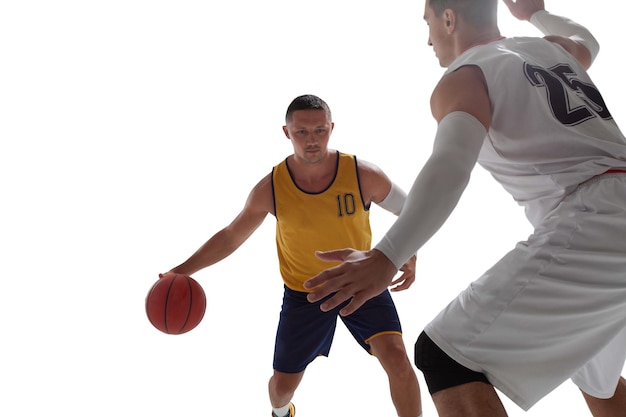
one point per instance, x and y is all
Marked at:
(131, 131)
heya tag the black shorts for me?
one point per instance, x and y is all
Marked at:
(440, 370)
(306, 332)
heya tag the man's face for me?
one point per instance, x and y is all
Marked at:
(438, 35)
(309, 131)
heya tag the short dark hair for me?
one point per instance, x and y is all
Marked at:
(307, 102)
(475, 12)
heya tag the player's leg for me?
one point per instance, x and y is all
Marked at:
(282, 386)
(474, 399)
(455, 389)
(403, 384)
(376, 327)
(304, 333)
(609, 407)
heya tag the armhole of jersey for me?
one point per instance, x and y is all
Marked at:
(274, 193)
(358, 182)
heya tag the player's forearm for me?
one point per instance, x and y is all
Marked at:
(190, 266)
(214, 250)
(437, 189)
(550, 24)
(429, 204)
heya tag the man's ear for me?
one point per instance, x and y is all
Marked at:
(450, 19)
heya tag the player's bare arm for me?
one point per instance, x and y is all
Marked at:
(258, 204)
(375, 184)
(463, 90)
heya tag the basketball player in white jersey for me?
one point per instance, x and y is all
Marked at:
(554, 307)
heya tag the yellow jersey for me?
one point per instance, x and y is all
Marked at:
(334, 218)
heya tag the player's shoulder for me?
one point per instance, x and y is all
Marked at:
(460, 90)
(368, 165)
(261, 197)
(362, 164)
(264, 185)
(576, 49)
(365, 168)
(369, 171)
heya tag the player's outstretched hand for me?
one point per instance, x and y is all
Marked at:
(524, 9)
(361, 276)
(407, 278)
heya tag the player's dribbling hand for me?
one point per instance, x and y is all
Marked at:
(524, 9)
(361, 276)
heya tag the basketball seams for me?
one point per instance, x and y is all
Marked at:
(167, 303)
(182, 328)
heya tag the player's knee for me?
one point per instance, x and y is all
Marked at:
(440, 370)
(285, 384)
(390, 351)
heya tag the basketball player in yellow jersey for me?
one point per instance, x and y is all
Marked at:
(321, 200)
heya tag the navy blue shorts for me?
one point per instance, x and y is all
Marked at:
(306, 332)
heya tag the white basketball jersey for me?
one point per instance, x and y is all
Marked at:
(550, 129)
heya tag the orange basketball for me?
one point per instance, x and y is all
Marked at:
(175, 304)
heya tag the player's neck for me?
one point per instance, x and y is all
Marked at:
(480, 38)
(314, 176)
